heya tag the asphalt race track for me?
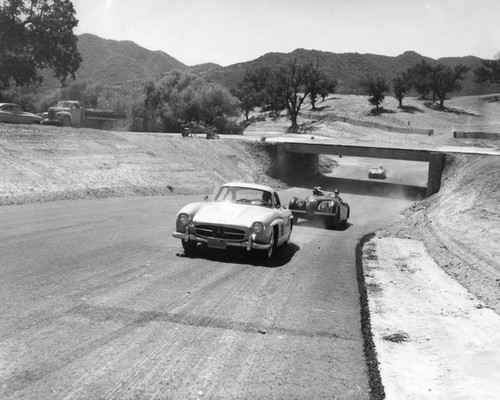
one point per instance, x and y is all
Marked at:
(97, 300)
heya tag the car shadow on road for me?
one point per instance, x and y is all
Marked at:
(377, 188)
(281, 256)
(321, 224)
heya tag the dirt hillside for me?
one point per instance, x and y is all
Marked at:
(44, 163)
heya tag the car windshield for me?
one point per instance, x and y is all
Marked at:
(244, 195)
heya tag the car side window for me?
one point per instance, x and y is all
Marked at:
(277, 202)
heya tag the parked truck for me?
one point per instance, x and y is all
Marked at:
(72, 113)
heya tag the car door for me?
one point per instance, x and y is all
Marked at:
(285, 222)
(18, 116)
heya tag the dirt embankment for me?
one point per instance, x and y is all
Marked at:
(460, 225)
(43, 163)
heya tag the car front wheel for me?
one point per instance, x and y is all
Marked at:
(272, 242)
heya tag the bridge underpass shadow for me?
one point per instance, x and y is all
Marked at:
(377, 188)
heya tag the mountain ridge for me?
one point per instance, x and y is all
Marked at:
(113, 62)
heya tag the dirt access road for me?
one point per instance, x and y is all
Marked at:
(97, 300)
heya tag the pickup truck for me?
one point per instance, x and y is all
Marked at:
(72, 113)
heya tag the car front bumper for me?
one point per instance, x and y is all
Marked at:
(305, 214)
(248, 244)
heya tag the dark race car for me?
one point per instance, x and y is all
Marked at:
(329, 208)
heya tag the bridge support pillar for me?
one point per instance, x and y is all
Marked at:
(436, 165)
(295, 166)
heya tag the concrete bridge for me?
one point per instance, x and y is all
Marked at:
(300, 159)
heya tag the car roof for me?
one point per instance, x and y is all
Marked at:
(250, 186)
(8, 104)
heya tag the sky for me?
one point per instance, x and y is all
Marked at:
(232, 31)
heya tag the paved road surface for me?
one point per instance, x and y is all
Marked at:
(97, 300)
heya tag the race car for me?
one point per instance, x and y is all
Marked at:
(242, 215)
(320, 206)
(377, 173)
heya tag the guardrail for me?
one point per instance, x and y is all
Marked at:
(370, 124)
(476, 135)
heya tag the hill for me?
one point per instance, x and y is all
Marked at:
(350, 68)
(111, 61)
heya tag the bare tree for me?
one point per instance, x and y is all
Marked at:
(294, 84)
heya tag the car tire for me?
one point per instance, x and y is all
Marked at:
(272, 242)
(336, 221)
(66, 121)
(343, 224)
(189, 246)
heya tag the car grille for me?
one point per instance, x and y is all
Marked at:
(52, 114)
(220, 232)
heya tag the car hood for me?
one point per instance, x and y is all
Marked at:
(225, 213)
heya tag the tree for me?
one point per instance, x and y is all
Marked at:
(217, 103)
(319, 84)
(489, 72)
(251, 91)
(182, 98)
(37, 34)
(375, 87)
(276, 91)
(294, 85)
(447, 80)
(420, 76)
(401, 85)
(328, 88)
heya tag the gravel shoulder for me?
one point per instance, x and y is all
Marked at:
(434, 339)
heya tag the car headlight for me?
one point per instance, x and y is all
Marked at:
(183, 219)
(257, 227)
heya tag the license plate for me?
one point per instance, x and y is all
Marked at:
(216, 243)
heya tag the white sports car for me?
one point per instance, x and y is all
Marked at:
(377, 173)
(241, 215)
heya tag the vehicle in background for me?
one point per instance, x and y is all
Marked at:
(242, 215)
(331, 209)
(193, 130)
(72, 113)
(377, 173)
(14, 114)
